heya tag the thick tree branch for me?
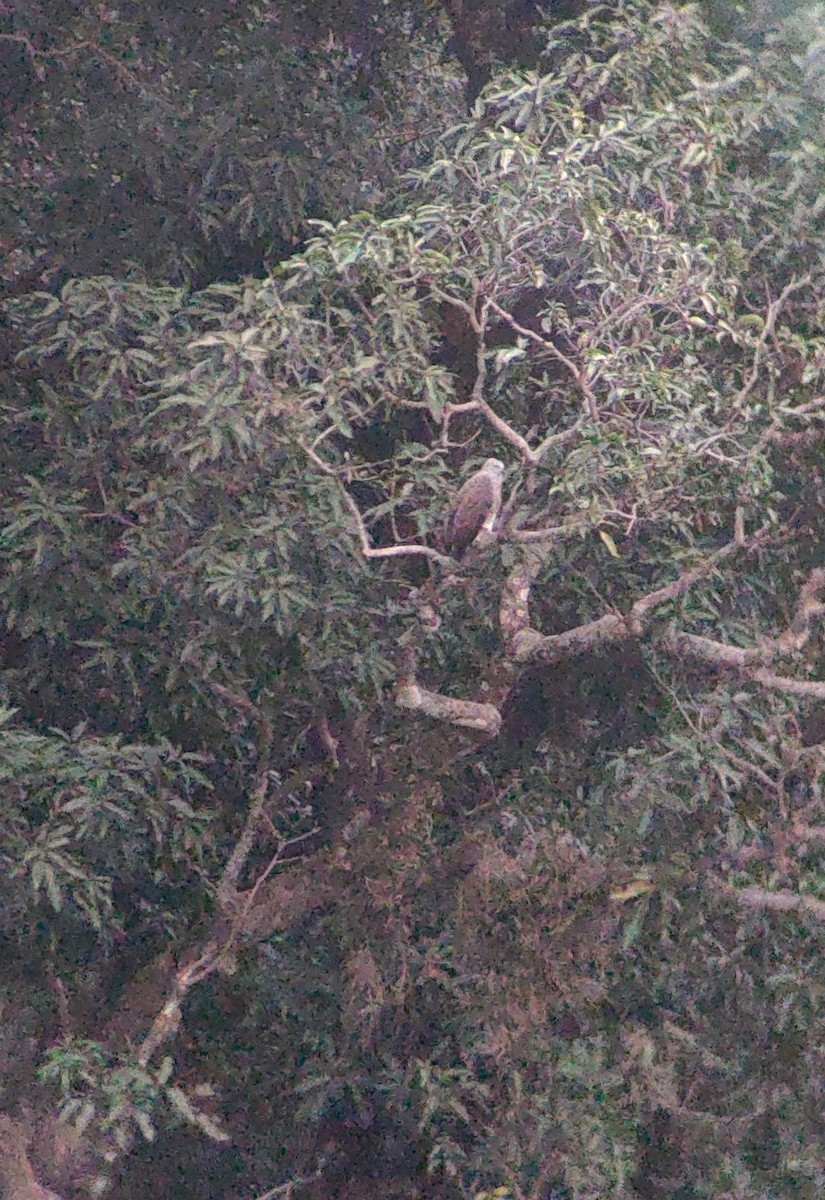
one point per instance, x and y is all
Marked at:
(810, 689)
(553, 533)
(483, 717)
(527, 644)
(467, 713)
(754, 661)
(16, 1173)
(706, 650)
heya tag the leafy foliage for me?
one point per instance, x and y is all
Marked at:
(582, 960)
(185, 142)
(118, 1101)
(81, 812)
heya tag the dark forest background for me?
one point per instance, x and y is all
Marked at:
(330, 867)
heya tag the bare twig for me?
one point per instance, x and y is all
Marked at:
(366, 549)
(126, 77)
(238, 701)
(477, 320)
(228, 884)
(477, 403)
(774, 309)
(287, 1189)
(750, 768)
(32, 54)
(218, 950)
(578, 374)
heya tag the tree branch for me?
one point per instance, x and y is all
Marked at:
(578, 375)
(779, 901)
(477, 403)
(526, 644)
(16, 1173)
(485, 718)
(774, 309)
(368, 550)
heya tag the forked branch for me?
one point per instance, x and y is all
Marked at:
(469, 714)
(367, 549)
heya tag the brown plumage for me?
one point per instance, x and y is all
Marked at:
(476, 507)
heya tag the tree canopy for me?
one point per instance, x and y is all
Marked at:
(332, 866)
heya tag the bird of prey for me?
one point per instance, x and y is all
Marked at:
(475, 508)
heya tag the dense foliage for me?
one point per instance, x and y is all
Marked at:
(196, 143)
(260, 886)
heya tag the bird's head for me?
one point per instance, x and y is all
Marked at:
(494, 466)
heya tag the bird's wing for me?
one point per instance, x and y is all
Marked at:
(470, 509)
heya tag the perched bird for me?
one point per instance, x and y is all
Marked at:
(475, 509)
